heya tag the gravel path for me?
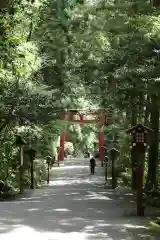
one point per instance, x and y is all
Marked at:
(75, 206)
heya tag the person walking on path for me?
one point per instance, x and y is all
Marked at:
(92, 165)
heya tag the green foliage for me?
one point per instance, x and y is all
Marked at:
(59, 55)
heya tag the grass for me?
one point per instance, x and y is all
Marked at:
(155, 225)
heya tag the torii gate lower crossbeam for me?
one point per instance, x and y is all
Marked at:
(99, 120)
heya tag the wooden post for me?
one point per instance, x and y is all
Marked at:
(32, 157)
(48, 175)
(48, 168)
(31, 153)
(113, 154)
(21, 170)
(139, 143)
(134, 183)
(20, 142)
(62, 140)
(106, 169)
(58, 159)
(140, 203)
(32, 175)
(113, 173)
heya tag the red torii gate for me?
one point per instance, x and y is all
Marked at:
(99, 119)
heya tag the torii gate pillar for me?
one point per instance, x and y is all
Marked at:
(100, 146)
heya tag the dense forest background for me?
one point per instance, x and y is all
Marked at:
(78, 54)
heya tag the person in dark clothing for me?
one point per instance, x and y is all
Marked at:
(92, 165)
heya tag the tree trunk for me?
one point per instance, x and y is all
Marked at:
(147, 111)
(154, 144)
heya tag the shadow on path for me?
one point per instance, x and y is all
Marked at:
(74, 206)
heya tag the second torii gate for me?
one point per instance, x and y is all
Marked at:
(98, 118)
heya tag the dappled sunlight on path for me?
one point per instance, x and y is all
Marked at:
(74, 206)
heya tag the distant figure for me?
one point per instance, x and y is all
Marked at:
(92, 165)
